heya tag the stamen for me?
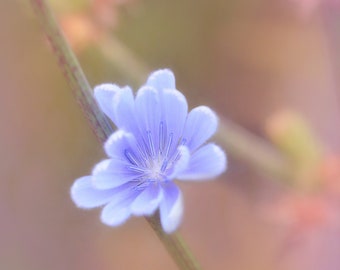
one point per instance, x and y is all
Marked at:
(177, 156)
(169, 144)
(143, 184)
(140, 185)
(164, 165)
(151, 143)
(161, 138)
(130, 156)
(136, 169)
(143, 152)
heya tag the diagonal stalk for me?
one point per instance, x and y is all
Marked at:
(98, 122)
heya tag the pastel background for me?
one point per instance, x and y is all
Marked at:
(249, 60)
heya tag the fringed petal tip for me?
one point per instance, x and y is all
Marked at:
(207, 162)
(84, 195)
(110, 173)
(171, 207)
(162, 79)
(201, 124)
(104, 94)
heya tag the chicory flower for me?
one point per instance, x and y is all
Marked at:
(157, 141)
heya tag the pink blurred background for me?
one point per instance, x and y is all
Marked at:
(246, 59)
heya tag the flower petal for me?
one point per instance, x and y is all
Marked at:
(200, 126)
(207, 162)
(171, 207)
(117, 144)
(85, 195)
(181, 162)
(124, 110)
(111, 173)
(148, 115)
(148, 201)
(104, 95)
(118, 210)
(162, 79)
(175, 110)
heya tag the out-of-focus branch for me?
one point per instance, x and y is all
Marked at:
(120, 56)
(254, 150)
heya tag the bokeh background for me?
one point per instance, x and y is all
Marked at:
(249, 60)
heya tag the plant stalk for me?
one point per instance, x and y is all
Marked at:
(97, 120)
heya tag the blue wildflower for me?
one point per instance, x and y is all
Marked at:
(157, 141)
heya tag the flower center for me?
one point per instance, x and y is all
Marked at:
(155, 171)
(155, 157)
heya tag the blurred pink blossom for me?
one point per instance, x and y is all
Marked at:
(306, 8)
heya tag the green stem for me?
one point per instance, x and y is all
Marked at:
(72, 71)
(98, 122)
(175, 244)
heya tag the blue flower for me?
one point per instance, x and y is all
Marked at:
(157, 141)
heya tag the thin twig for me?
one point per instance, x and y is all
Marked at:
(98, 122)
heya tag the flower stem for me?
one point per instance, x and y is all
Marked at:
(98, 122)
(175, 245)
(72, 71)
